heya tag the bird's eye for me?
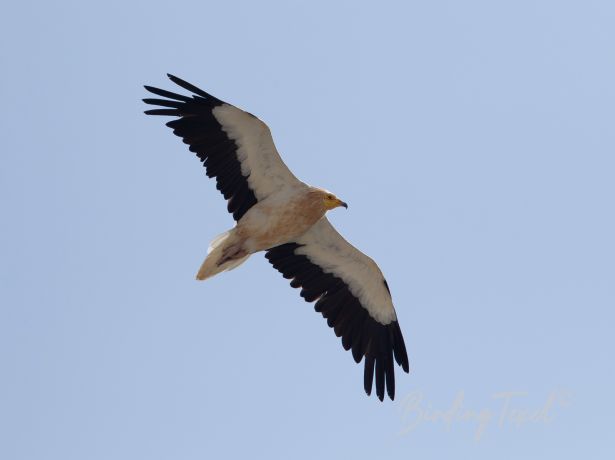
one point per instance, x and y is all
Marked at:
(329, 197)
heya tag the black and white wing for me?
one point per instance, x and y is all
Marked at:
(235, 147)
(353, 296)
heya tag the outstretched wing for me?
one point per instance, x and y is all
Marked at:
(352, 294)
(235, 147)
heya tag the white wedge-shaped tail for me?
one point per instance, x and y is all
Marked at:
(218, 249)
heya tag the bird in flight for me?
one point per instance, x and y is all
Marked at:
(277, 213)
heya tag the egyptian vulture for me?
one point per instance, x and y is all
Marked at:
(277, 213)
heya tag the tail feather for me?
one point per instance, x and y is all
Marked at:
(211, 266)
(217, 241)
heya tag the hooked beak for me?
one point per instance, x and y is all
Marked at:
(343, 204)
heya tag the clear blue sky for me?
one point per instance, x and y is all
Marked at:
(474, 142)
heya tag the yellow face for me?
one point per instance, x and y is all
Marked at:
(332, 202)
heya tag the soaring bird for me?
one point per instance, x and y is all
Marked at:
(277, 213)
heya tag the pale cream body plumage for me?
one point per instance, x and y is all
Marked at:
(270, 223)
(279, 214)
(278, 219)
